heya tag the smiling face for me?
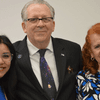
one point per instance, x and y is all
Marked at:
(38, 33)
(95, 47)
(4, 65)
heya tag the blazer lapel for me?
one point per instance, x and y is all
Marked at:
(25, 65)
(60, 57)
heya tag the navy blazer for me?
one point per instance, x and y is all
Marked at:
(67, 56)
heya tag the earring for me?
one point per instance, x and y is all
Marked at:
(92, 59)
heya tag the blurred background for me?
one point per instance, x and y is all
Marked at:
(73, 18)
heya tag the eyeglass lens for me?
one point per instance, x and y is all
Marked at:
(6, 57)
(36, 20)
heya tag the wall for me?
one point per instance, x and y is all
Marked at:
(73, 18)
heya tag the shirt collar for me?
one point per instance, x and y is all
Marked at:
(32, 49)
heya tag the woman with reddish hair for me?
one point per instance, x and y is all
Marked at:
(88, 79)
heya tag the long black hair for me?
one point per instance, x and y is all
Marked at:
(8, 81)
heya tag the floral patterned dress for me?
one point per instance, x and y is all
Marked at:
(88, 86)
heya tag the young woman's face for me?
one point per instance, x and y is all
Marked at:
(95, 47)
(5, 59)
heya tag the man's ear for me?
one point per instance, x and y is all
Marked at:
(24, 27)
(53, 26)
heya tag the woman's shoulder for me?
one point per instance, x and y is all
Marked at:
(82, 73)
(85, 75)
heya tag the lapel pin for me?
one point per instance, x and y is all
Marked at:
(62, 54)
(70, 70)
(19, 56)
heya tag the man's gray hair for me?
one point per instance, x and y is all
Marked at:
(24, 10)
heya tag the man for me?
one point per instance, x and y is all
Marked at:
(62, 56)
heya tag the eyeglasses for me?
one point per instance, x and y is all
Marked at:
(36, 20)
(6, 57)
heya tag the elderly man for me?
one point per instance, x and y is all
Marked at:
(46, 66)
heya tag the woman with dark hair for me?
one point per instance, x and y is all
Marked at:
(89, 78)
(7, 71)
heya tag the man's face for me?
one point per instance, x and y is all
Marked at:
(38, 32)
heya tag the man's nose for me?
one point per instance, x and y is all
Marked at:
(40, 23)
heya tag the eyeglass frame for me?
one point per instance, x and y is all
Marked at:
(6, 54)
(38, 19)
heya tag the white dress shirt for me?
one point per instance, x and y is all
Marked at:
(49, 56)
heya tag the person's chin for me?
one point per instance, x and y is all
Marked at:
(41, 38)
